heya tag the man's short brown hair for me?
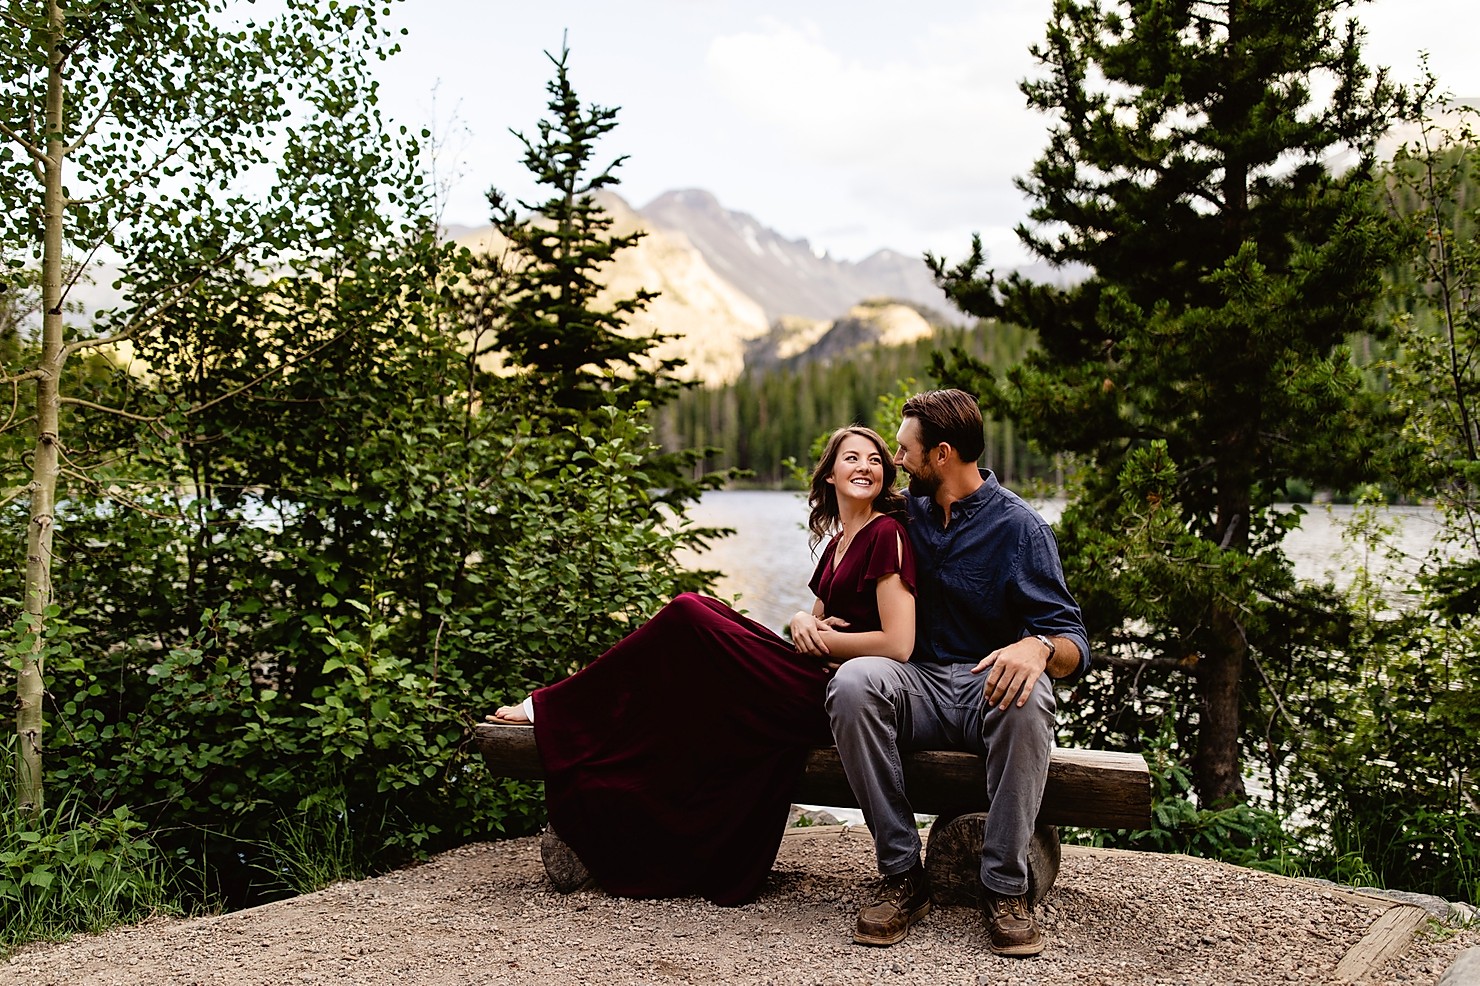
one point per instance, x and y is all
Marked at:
(950, 416)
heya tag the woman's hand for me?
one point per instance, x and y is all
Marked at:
(809, 634)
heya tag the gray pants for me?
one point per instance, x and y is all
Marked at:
(879, 707)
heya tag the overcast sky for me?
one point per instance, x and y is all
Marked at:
(855, 124)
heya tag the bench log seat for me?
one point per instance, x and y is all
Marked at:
(1085, 789)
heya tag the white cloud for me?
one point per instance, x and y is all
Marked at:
(942, 106)
(930, 135)
(855, 123)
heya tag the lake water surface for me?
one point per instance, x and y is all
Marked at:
(767, 563)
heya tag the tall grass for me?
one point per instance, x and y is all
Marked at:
(314, 848)
(63, 873)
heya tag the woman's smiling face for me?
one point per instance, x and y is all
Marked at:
(858, 470)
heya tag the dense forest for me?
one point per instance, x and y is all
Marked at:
(769, 417)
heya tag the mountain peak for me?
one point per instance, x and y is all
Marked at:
(787, 277)
(732, 292)
(695, 199)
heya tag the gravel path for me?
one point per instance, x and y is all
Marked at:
(485, 914)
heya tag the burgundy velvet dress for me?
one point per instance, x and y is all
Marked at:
(671, 760)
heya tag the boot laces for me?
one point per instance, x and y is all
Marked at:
(1012, 907)
(892, 889)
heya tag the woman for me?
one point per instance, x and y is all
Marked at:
(670, 761)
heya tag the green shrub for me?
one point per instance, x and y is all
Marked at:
(305, 716)
(1386, 767)
(1389, 772)
(1243, 834)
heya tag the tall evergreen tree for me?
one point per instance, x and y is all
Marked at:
(541, 303)
(552, 321)
(1202, 364)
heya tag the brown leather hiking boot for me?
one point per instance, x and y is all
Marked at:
(1011, 929)
(899, 901)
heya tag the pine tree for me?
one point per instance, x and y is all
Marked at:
(542, 300)
(551, 322)
(1201, 365)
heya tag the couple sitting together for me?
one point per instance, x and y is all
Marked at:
(941, 619)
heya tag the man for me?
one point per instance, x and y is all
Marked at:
(994, 623)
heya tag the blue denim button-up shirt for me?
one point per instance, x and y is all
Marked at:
(990, 578)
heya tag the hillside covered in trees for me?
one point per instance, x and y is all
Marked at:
(774, 415)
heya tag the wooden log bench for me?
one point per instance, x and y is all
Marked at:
(1085, 789)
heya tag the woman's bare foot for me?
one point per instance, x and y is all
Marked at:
(509, 715)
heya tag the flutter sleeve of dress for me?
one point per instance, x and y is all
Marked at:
(888, 552)
(849, 588)
(815, 584)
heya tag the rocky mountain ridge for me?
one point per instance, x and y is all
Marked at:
(880, 322)
(734, 294)
(787, 277)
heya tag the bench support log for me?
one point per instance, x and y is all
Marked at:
(953, 858)
(562, 865)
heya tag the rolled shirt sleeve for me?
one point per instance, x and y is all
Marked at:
(1042, 596)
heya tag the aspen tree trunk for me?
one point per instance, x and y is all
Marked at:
(30, 688)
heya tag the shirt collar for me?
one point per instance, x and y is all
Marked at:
(971, 502)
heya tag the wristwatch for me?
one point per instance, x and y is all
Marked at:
(1052, 647)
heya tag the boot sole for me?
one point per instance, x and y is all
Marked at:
(859, 938)
(1017, 951)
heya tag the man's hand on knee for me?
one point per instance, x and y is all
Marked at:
(1012, 672)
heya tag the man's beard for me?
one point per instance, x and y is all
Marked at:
(924, 485)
